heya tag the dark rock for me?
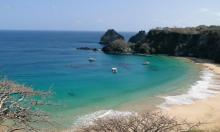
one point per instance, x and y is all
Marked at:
(201, 41)
(71, 93)
(142, 48)
(110, 36)
(138, 38)
(117, 47)
(87, 48)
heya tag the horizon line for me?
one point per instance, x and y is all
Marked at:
(63, 30)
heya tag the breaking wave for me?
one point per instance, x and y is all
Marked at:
(205, 87)
(90, 118)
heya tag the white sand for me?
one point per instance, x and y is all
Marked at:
(206, 111)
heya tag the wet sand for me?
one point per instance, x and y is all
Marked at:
(206, 111)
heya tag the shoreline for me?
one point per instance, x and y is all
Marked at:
(139, 106)
(198, 111)
(207, 110)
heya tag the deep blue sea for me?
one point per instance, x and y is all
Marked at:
(49, 60)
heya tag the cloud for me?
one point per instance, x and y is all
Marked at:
(210, 12)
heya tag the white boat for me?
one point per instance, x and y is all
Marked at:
(114, 70)
(90, 59)
(146, 63)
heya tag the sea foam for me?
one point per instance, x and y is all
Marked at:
(205, 87)
(201, 89)
(90, 118)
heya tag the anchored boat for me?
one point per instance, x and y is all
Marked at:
(146, 63)
(90, 59)
(114, 70)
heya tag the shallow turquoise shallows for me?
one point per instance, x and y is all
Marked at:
(46, 60)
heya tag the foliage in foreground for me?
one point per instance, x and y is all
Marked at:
(147, 122)
(17, 107)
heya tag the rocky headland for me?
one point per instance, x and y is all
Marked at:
(118, 46)
(201, 42)
(110, 36)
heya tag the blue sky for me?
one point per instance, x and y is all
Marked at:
(96, 15)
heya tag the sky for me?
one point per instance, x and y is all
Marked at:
(100, 15)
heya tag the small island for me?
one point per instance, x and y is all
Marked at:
(110, 36)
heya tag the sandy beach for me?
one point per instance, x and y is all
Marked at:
(206, 111)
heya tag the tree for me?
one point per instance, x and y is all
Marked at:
(17, 107)
(147, 122)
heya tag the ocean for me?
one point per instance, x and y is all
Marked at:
(49, 60)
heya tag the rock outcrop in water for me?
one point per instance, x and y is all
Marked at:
(139, 44)
(88, 48)
(201, 42)
(110, 36)
(138, 38)
(118, 46)
(142, 48)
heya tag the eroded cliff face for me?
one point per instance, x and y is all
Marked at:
(201, 41)
(195, 42)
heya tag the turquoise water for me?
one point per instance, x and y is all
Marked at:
(46, 60)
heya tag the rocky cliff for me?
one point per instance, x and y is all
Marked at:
(138, 38)
(110, 36)
(201, 42)
(117, 47)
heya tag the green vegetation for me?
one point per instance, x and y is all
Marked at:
(201, 42)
